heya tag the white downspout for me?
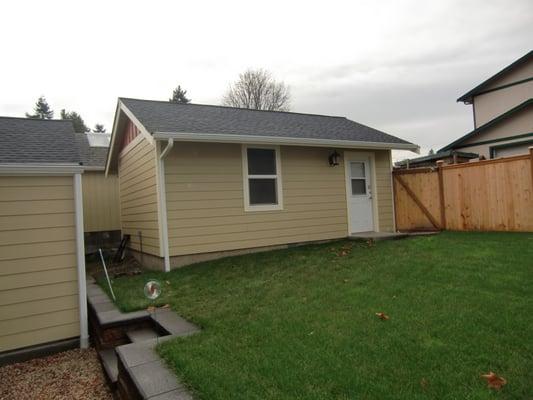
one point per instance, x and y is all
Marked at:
(163, 205)
(80, 257)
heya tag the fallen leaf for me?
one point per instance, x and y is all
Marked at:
(167, 282)
(382, 316)
(424, 383)
(166, 306)
(150, 309)
(494, 381)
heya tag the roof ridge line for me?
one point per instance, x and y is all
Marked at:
(233, 108)
(38, 119)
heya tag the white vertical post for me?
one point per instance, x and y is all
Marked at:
(80, 256)
(164, 222)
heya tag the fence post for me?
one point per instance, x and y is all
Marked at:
(440, 164)
(531, 162)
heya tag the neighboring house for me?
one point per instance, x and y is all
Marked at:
(199, 182)
(42, 264)
(100, 193)
(448, 156)
(503, 113)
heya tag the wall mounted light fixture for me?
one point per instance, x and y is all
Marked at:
(334, 158)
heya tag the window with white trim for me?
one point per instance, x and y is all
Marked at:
(262, 178)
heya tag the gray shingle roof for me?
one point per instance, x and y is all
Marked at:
(163, 116)
(90, 156)
(24, 140)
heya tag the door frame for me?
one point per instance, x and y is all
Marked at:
(371, 157)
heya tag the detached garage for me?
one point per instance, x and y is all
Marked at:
(42, 267)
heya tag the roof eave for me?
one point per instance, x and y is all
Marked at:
(289, 141)
(40, 169)
(487, 125)
(113, 145)
(468, 97)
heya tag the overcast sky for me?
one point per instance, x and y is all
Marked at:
(398, 66)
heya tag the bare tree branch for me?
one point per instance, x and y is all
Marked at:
(258, 90)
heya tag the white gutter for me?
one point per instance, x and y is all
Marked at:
(290, 141)
(89, 168)
(41, 169)
(163, 203)
(80, 257)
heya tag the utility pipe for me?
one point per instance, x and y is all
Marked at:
(163, 203)
(80, 258)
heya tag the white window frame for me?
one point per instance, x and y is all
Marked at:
(246, 177)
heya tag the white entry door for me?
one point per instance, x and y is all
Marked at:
(359, 194)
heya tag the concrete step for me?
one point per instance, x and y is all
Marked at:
(143, 375)
(141, 335)
(172, 323)
(109, 361)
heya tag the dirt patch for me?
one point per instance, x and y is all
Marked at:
(73, 374)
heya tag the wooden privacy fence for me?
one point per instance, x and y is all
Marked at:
(491, 195)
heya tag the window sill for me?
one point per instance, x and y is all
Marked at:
(274, 207)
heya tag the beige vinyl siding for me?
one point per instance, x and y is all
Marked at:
(384, 191)
(517, 124)
(38, 274)
(138, 195)
(101, 211)
(205, 199)
(489, 105)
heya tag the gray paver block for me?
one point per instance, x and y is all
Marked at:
(141, 335)
(109, 360)
(104, 306)
(173, 323)
(134, 354)
(112, 316)
(154, 378)
(94, 290)
(98, 299)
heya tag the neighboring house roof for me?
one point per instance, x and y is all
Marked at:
(526, 104)
(437, 156)
(33, 141)
(467, 97)
(167, 117)
(91, 156)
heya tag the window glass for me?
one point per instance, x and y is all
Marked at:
(357, 169)
(262, 191)
(261, 161)
(358, 186)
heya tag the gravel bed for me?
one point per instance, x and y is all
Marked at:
(73, 374)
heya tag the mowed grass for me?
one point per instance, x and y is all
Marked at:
(301, 324)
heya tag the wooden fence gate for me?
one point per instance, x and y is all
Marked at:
(491, 195)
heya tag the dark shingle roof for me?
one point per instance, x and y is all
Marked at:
(27, 141)
(163, 116)
(90, 156)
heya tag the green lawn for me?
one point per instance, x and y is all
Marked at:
(301, 323)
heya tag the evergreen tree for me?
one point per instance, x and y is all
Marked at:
(99, 128)
(42, 110)
(431, 152)
(77, 121)
(179, 96)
